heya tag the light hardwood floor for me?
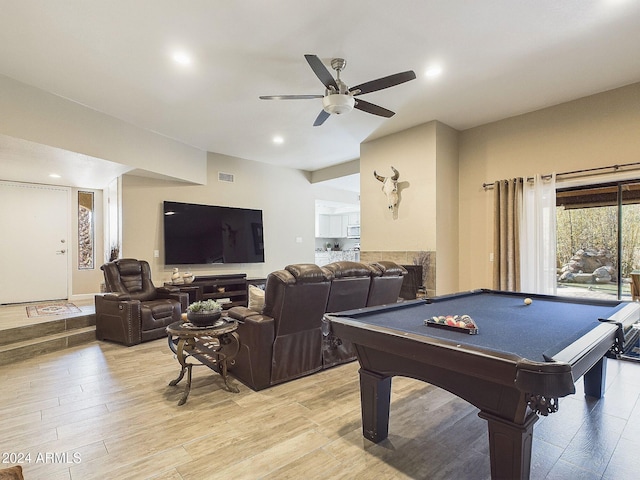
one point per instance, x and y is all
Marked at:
(109, 408)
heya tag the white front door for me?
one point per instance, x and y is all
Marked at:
(34, 243)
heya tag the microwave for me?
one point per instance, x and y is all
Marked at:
(353, 231)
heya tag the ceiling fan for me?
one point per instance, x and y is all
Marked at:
(338, 97)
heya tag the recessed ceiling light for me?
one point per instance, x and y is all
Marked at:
(433, 71)
(182, 58)
(278, 140)
(54, 175)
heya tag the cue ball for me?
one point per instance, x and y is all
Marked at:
(527, 301)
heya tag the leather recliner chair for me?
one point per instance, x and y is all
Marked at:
(356, 285)
(285, 340)
(350, 284)
(386, 283)
(135, 310)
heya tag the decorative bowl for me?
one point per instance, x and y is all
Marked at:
(203, 319)
(188, 278)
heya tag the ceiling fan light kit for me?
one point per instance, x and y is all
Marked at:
(338, 103)
(339, 98)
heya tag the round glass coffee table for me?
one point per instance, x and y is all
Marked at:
(214, 346)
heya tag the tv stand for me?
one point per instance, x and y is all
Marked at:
(217, 287)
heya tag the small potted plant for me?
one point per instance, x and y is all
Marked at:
(204, 313)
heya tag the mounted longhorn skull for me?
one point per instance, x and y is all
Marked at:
(390, 187)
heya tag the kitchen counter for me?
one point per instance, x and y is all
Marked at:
(324, 258)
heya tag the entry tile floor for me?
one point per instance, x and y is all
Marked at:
(15, 315)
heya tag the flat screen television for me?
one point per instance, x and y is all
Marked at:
(204, 234)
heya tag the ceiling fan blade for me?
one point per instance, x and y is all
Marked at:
(321, 71)
(289, 97)
(372, 108)
(322, 116)
(384, 82)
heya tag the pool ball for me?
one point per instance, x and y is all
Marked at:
(527, 301)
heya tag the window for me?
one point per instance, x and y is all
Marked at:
(86, 253)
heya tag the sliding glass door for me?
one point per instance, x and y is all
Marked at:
(598, 240)
(587, 241)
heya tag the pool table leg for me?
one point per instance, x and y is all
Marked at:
(595, 378)
(510, 446)
(375, 396)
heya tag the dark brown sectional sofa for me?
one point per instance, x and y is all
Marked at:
(288, 339)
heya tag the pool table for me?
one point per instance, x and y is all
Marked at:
(520, 361)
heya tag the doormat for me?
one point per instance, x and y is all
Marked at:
(51, 309)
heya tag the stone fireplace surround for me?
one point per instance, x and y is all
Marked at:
(425, 258)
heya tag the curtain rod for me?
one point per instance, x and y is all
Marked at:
(615, 168)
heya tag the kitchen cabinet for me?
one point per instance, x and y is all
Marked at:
(332, 226)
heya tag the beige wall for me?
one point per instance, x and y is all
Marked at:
(35, 115)
(447, 209)
(594, 131)
(283, 194)
(413, 153)
(427, 218)
(336, 171)
(32, 114)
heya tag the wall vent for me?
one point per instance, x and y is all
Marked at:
(225, 177)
